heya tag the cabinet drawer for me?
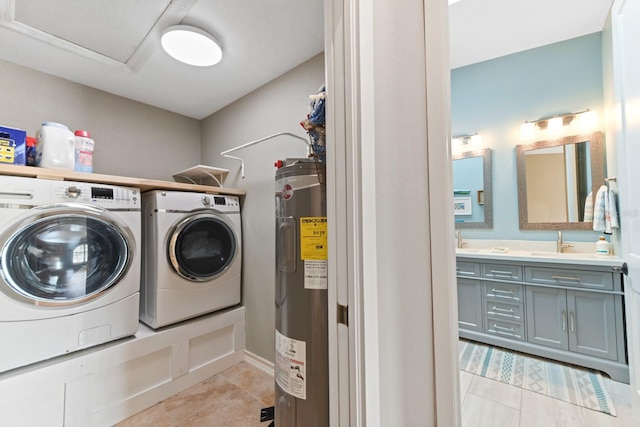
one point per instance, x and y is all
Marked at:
(505, 292)
(504, 310)
(514, 330)
(502, 272)
(467, 269)
(602, 280)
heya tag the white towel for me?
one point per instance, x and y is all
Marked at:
(599, 209)
(588, 208)
(610, 212)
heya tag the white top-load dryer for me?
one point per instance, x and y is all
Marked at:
(192, 255)
(70, 267)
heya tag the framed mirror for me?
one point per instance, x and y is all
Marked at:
(472, 189)
(555, 178)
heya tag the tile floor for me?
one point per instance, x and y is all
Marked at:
(491, 403)
(234, 398)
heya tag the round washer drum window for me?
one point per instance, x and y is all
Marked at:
(202, 248)
(65, 258)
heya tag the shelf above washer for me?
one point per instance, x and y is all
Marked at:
(200, 174)
(142, 183)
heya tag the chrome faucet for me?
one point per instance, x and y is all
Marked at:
(560, 246)
(461, 242)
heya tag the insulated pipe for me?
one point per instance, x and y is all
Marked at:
(224, 153)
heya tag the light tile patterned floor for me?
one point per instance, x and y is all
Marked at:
(234, 398)
(490, 403)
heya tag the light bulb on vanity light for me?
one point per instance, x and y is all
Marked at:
(466, 142)
(555, 124)
(587, 120)
(527, 130)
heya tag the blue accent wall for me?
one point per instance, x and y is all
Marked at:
(495, 97)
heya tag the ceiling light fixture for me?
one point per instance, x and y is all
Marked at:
(191, 45)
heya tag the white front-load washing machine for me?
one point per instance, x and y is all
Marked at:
(192, 255)
(70, 267)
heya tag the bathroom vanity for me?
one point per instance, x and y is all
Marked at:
(566, 307)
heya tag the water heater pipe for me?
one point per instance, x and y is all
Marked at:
(293, 135)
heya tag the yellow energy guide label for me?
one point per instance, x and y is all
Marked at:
(313, 250)
(313, 237)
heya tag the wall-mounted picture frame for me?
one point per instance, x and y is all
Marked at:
(481, 197)
(462, 206)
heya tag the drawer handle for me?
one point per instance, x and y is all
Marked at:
(565, 278)
(564, 320)
(496, 327)
(508, 273)
(572, 321)
(502, 309)
(500, 291)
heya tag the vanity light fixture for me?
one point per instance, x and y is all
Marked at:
(472, 138)
(191, 45)
(585, 120)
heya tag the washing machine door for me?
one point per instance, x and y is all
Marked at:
(202, 247)
(64, 254)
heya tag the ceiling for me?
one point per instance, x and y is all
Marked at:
(113, 45)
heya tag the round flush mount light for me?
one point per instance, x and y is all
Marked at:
(191, 45)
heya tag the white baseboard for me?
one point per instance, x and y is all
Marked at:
(259, 362)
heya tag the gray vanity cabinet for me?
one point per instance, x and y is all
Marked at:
(568, 312)
(592, 324)
(469, 310)
(469, 296)
(571, 319)
(583, 322)
(547, 317)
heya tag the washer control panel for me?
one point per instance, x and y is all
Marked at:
(229, 201)
(106, 196)
(221, 203)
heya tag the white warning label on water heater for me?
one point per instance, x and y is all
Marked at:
(291, 374)
(315, 274)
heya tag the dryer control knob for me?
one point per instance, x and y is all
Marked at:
(205, 201)
(73, 192)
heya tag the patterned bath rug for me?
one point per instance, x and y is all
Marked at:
(575, 385)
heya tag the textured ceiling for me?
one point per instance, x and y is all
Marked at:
(114, 45)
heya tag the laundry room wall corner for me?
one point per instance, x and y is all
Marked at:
(131, 138)
(278, 106)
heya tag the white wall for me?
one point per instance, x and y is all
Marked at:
(279, 106)
(132, 139)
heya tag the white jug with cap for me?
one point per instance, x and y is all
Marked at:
(56, 146)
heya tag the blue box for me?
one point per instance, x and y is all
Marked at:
(12, 146)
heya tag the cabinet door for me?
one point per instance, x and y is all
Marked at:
(546, 317)
(592, 324)
(470, 304)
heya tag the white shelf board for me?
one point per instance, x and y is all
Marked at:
(200, 173)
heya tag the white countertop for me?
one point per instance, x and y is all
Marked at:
(542, 256)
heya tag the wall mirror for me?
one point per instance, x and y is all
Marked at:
(555, 177)
(472, 189)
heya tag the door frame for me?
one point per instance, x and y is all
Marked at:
(359, 356)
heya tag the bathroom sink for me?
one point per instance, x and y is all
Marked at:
(566, 255)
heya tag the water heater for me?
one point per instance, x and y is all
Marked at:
(301, 354)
